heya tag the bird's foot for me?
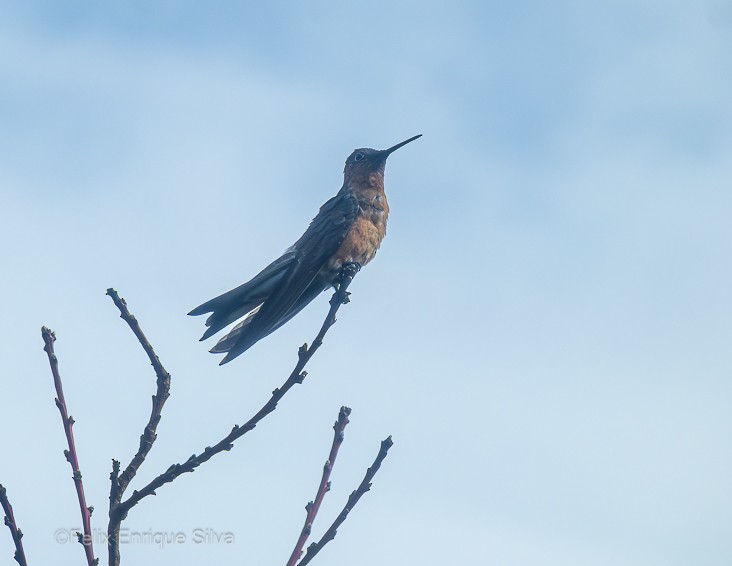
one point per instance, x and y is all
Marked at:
(345, 276)
(350, 269)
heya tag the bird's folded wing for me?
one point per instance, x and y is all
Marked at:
(258, 287)
(320, 241)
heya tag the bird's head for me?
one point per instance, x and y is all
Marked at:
(365, 166)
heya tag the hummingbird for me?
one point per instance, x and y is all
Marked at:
(347, 230)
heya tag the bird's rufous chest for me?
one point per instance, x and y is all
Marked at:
(365, 234)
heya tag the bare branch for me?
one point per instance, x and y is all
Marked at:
(330, 534)
(15, 532)
(158, 400)
(118, 511)
(120, 481)
(312, 507)
(68, 422)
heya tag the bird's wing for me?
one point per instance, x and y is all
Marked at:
(236, 303)
(257, 288)
(316, 246)
(228, 342)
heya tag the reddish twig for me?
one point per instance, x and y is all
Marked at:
(313, 506)
(15, 532)
(86, 539)
(120, 481)
(119, 511)
(330, 534)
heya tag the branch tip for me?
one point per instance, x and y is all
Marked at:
(365, 486)
(49, 337)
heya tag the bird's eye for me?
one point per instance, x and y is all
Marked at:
(358, 157)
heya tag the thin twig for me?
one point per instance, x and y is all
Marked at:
(15, 532)
(119, 511)
(158, 400)
(313, 506)
(330, 534)
(120, 481)
(68, 422)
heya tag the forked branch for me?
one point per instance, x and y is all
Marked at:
(120, 481)
(119, 508)
(365, 485)
(312, 507)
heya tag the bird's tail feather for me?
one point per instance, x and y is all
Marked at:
(221, 318)
(228, 341)
(238, 302)
(259, 286)
(238, 341)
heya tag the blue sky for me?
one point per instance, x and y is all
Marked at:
(545, 331)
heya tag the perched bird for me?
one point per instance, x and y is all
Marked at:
(347, 230)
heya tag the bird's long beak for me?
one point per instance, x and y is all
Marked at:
(386, 152)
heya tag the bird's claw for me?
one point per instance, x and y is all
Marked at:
(350, 269)
(347, 273)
